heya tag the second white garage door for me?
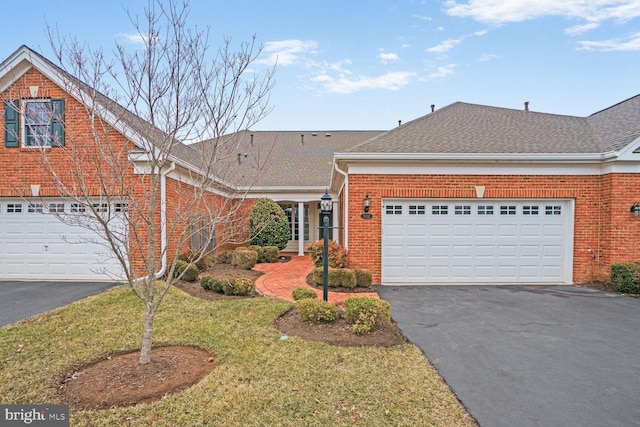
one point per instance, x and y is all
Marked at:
(477, 241)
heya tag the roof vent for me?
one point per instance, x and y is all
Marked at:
(526, 106)
(302, 139)
(314, 134)
(433, 107)
(327, 135)
(251, 139)
(399, 123)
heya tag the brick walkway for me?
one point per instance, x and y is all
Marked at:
(281, 278)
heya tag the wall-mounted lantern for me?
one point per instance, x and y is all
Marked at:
(635, 209)
(367, 205)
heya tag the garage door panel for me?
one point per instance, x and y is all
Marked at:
(513, 241)
(36, 245)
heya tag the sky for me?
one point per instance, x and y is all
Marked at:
(365, 65)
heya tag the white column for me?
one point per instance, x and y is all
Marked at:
(335, 225)
(300, 228)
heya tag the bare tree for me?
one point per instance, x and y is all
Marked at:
(167, 91)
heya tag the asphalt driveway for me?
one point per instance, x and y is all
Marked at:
(20, 300)
(529, 355)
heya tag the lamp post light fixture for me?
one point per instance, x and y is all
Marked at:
(326, 206)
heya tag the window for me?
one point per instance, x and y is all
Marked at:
(553, 210)
(35, 122)
(485, 210)
(462, 210)
(14, 207)
(530, 210)
(507, 210)
(34, 207)
(56, 207)
(291, 210)
(121, 207)
(203, 235)
(417, 209)
(101, 207)
(393, 209)
(439, 210)
(78, 207)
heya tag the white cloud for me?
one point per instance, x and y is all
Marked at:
(287, 52)
(133, 38)
(442, 72)
(346, 84)
(579, 29)
(449, 44)
(501, 11)
(487, 57)
(422, 17)
(632, 44)
(388, 57)
(444, 46)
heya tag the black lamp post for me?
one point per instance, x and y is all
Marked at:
(326, 206)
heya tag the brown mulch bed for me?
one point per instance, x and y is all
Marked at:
(118, 380)
(338, 332)
(606, 287)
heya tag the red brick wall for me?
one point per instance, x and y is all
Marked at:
(602, 219)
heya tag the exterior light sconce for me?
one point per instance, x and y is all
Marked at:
(367, 205)
(635, 209)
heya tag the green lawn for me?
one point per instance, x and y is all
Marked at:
(260, 380)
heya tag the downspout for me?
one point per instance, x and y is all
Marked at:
(346, 204)
(163, 218)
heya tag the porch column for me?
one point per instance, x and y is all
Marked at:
(300, 228)
(335, 224)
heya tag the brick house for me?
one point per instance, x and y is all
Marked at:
(466, 194)
(473, 194)
(49, 147)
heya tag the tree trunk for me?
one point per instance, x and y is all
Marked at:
(147, 335)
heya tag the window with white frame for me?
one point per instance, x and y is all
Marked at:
(34, 122)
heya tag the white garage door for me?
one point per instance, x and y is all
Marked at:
(477, 241)
(35, 244)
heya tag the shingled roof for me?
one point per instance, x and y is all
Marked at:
(469, 128)
(291, 159)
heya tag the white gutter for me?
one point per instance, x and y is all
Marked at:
(346, 199)
(163, 218)
(475, 157)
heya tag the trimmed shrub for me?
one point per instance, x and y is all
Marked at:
(337, 254)
(338, 277)
(271, 254)
(245, 258)
(191, 272)
(259, 250)
(224, 257)
(217, 284)
(205, 282)
(316, 311)
(238, 286)
(303, 293)
(268, 224)
(190, 257)
(366, 313)
(625, 277)
(364, 278)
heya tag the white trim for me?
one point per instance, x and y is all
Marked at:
(469, 157)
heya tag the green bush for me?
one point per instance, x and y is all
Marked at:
(338, 277)
(337, 254)
(191, 257)
(303, 293)
(245, 258)
(189, 271)
(238, 286)
(224, 257)
(227, 285)
(316, 311)
(364, 278)
(271, 254)
(268, 224)
(206, 282)
(259, 250)
(366, 313)
(625, 277)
